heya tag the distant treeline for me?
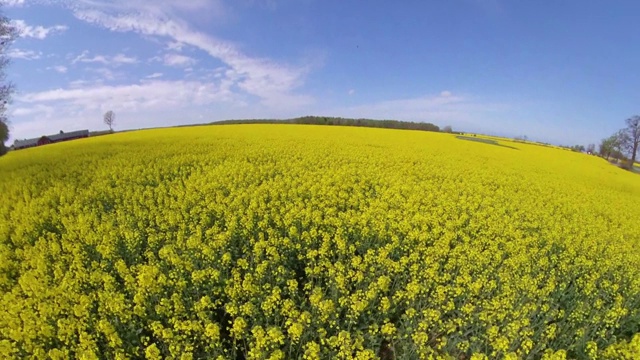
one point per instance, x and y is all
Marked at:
(323, 120)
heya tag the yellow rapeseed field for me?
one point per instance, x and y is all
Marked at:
(309, 242)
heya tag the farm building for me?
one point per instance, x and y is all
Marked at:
(50, 139)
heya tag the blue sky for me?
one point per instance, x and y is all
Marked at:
(563, 71)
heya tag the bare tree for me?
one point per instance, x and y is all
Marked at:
(447, 129)
(630, 138)
(591, 149)
(8, 33)
(110, 119)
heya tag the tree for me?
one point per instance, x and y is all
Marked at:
(447, 129)
(609, 146)
(591, 149)
(630, 138)
(4, 136)
(8, 33)
(577, 148)
(110, 119)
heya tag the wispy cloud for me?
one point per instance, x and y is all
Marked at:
(33, 110)
(85, 59)
(175, 46)
(124, 59)
(178, 60)
(37, 32)
(59, 68)
(240, 84)
(420, 108)
(13, 2)
(154, 76)
(150, 102)
(445, 108)
(274, 83)
(154, 94)
(104, 73)
(24, 54)
(116, 60)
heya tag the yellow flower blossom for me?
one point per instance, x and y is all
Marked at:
(276, 241)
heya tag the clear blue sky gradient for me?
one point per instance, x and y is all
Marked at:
(562, 72)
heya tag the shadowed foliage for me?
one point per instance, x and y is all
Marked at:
(485, 141)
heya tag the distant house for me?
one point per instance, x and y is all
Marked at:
(50, 139)
(23, 144)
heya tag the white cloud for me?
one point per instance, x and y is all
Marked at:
(79, 83)
(420, 108)
(352, 91)
(116, 60)
(124, 59)
(37, 32)
(149, 103)
(462, 112)
(149, 94)
(12, 2)
(445, 93)
(33, 110)
(24, 54)
(104, 73)
(175, 46)
(85, 59)
(240, 86)
(272, 82)
(178, 60)
(59, 68)
(154, 76)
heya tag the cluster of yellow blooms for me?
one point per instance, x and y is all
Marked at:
(308, 242)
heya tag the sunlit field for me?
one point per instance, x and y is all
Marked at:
(310, 242)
